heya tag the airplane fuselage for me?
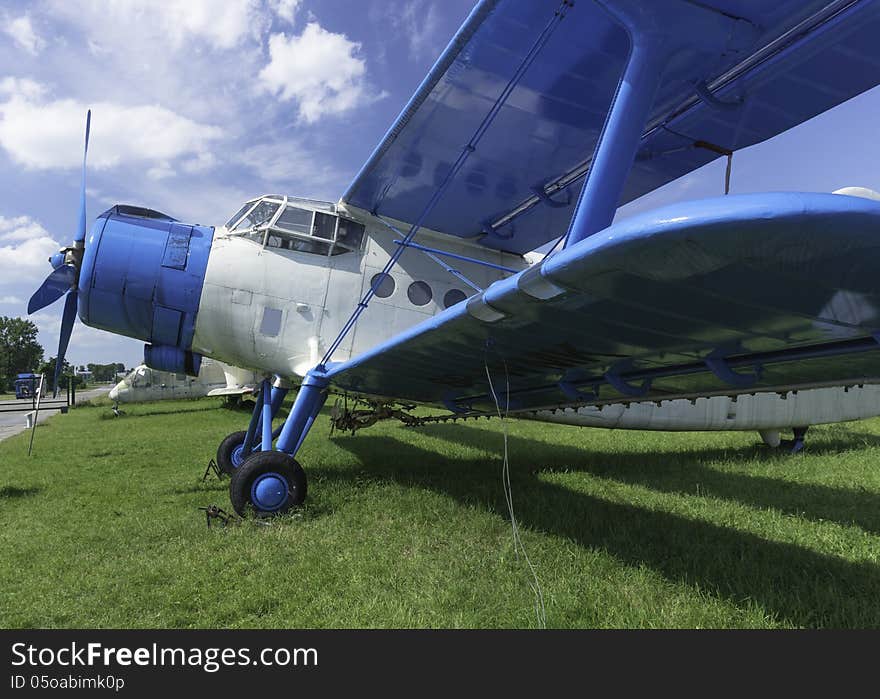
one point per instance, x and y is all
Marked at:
(271, 295)
(277, 309)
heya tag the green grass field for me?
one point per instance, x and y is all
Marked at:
(409, 528)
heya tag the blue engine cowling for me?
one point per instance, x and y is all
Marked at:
(141, 276)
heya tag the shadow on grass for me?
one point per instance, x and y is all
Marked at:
(209, 486)
(11, 492)
(684, 472)
(792, 583)
(130, 411)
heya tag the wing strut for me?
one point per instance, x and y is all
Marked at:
(469, 148)
(622, 133)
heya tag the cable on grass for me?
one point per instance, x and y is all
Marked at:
(534, 583)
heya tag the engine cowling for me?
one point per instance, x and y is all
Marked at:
(142, 275)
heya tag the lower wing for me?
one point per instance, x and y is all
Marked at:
(731, 295)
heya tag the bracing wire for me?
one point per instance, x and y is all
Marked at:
(534, 583)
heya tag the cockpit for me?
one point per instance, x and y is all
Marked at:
(300, 225)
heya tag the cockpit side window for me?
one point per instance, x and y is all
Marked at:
(324, 226)
(295, 220)
(283, 242)
(350, 234)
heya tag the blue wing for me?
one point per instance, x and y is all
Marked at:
(747, 292)
(802, 57)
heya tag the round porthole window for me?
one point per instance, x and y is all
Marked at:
(385, 288)
(419, 293)
(452, 297)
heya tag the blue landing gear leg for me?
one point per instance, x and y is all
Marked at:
(271, 482)
(233, 450)
(797, 444)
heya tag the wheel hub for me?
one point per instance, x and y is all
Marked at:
(237, 456)
(269, 491)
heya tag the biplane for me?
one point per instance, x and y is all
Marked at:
(539, 119)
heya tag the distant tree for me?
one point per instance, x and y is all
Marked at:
(19, 350)
(103, 372)
(48, 368)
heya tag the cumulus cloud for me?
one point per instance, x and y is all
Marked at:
(319, 70)
(221, 25)
(41, 133)
(285, 9)
(21, 31)
(25, 246)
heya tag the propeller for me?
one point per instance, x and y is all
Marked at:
(64, 277)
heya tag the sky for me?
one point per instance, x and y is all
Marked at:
(198, 105)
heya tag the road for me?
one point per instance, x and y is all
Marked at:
(13, 423)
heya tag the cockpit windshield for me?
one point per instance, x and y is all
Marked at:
(261, 213)
(299, 225)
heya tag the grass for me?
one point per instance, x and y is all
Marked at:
(408, 528)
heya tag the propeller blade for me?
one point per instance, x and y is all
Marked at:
(81, 231)
(53, 288)
(67, 320)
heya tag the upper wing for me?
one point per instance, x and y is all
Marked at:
(805, 56)
(746, 292)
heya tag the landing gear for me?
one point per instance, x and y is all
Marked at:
(236, 447)
(798, 443)
(772, 439)
(269, 483)
(230, 453)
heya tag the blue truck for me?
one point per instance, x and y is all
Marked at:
(26, 385)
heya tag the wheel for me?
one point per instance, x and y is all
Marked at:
(230, 454)
(269, 482)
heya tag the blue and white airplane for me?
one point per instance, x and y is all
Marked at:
(748, 312)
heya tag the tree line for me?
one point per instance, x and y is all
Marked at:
(20, 353)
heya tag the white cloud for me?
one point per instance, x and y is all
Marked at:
(9, 300)
(22, 87)
(285, 9)
(42, 134)
(25, 247)
(418, 21)
(221, 25)
(317, 69)
(276, 166)
(22, 33)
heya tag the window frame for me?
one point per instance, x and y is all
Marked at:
(260, 233)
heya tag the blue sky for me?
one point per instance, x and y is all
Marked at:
(201, 104)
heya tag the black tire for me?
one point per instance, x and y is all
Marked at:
(262, 464)
(225, 456)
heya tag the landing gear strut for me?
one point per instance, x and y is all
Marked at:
(270, 481)
(236, 447)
